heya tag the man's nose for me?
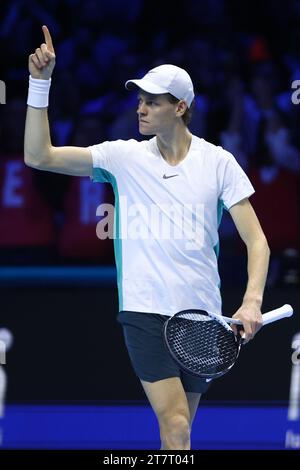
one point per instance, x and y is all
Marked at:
(141, 109)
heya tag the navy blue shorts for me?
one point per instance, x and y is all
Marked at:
(149, 356)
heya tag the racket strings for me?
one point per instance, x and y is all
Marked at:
(204, 346)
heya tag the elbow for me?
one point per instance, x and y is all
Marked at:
(29, 161)
(265, 245)
(35, 161)
(259, 242)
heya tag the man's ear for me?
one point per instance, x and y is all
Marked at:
(181, 108)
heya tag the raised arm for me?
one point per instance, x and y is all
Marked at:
(38, 150)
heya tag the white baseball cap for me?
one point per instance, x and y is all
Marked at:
(166, 78)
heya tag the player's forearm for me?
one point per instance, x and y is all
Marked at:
(37, 142)
(258, 263)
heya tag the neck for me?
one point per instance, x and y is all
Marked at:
(174, 144)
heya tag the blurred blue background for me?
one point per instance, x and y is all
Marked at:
(57, 279)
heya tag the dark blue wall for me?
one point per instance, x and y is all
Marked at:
(69, 347)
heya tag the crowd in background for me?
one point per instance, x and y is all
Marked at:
(243, 58)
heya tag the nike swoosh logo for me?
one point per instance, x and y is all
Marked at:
(166, 177)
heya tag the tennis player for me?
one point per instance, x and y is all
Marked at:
(170, 192)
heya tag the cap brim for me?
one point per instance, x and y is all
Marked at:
(145, 85)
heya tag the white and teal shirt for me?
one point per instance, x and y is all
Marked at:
(166, 221)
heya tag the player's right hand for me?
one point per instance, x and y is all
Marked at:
(42, 63)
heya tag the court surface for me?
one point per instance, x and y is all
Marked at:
(133, 426)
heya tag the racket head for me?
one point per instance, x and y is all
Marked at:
(201, 344)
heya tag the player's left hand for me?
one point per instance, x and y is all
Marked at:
(250, 315)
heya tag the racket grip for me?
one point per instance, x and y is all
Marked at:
(274, 315)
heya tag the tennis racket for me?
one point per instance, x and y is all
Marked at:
(203, 344)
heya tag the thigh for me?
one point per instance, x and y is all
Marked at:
(167, 397)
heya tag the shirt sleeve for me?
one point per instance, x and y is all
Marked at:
(108, 158)
(234, 183)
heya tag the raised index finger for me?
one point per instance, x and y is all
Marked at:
(48, 38)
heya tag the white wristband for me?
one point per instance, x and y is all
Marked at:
(38, 92)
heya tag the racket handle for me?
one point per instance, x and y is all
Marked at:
(269, 317)
(274, 315)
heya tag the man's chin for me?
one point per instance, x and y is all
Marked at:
(144, 132)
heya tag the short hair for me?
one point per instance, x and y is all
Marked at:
(187, 116)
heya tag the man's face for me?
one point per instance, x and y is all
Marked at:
(156, 114)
